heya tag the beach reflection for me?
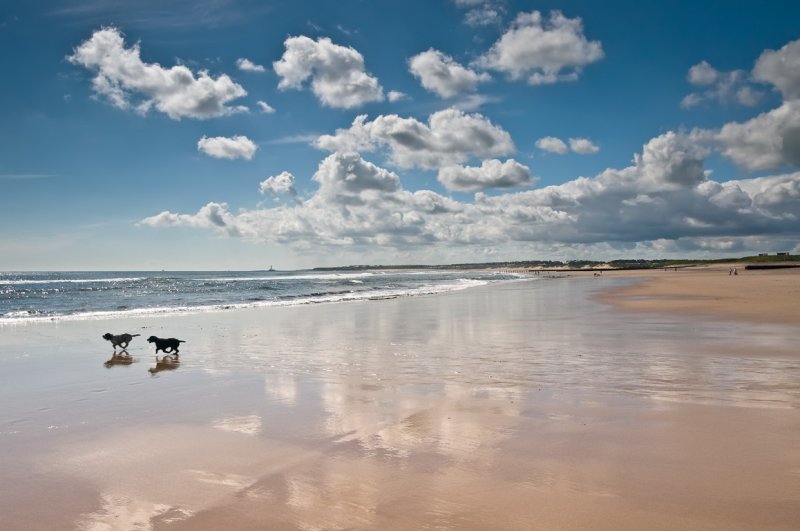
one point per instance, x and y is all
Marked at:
(523, 337)
(450, 420)
(247, 424)
(165, 363)
(119, 359)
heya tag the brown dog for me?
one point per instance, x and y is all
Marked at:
(122, 340)
(169, 345)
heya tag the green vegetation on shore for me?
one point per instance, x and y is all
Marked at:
(578, 264)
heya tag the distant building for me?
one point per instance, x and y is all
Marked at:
(763, 254)
(782, 254)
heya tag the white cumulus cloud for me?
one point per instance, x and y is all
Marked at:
(583, 146)
(337, 74)
(781, 68)
(552, 144)
(703, 74)
(490, 174)
(771, 139)
(265, 107)
(722, 87)
(449, 137)
(221, 147)
(246, 65)
(213, 216)
(277, 185)
(767, 141)
(126, 81)
(545, 50)
(347, 178)
(441, 74)
(396, 95)
(662, 202)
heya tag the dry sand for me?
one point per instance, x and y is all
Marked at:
(532, 405)
(770, 296)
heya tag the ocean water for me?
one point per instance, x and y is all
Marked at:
(97, 295)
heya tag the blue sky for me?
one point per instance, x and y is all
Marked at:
(136, 136)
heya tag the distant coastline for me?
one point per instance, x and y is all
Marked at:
(763, 261)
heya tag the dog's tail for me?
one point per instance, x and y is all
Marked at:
(134, 335)
(181, 341)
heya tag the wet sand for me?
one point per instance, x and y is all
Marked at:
(532, 405)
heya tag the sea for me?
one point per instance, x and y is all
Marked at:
(97, 295)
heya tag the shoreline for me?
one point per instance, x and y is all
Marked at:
(757, 295)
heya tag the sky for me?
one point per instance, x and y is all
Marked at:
(243, 134)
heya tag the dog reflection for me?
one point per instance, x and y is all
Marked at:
(119, 359)
(165, 363)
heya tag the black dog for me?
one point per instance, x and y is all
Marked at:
(121, 340)
(169, 346)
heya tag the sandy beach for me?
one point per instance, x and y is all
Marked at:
(767, 296)
(666, 400)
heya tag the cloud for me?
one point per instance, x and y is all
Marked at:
(472, 102)
(771, 139)
(767, 141)
(396, 95)
(128, 82)
(662, 202)
(347, 178)
(213, 216)
(307, 138)
(552, 144)
(670, 161)
(440, 74)
(246, 65)
(265, 107)
(277, 185)
(483, 16)
(336, 72)
(703, 74)
(182, 14)
(544, 51)
(583, 146)
(781, 68)
(237, 147)
(449, 137)
(722, 87)
(491, 174)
